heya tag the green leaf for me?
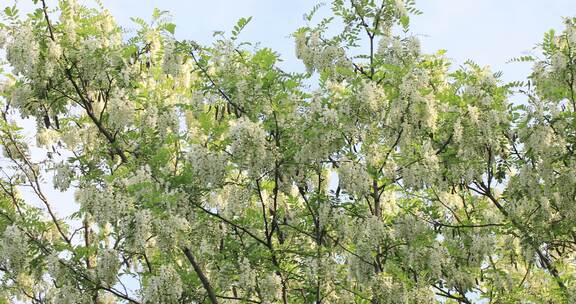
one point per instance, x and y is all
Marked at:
(157, 13)
(240, 25)
(548, 44)
(140, 22)
(522, 59)
(405, 21)
(265, 58)
(170, 27)
(11, 12)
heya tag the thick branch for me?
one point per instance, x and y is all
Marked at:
(201, 275)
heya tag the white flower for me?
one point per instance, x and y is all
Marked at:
(46, 137)
(141, 231)
(315, 55)
(559, 62)
(303, 52)
(2, 37)
(167, 123)
(270, 287)
(106, 205)
(107, 22)
(401, 7)
(474, 114)
(246, 274)
(68, 294)
(413, 46)
(429, 156)
(171, 231)
(23, 51)
(54, 50)
(14, 248)
(165, 287)
(235, 200)
(121, 111)
(63, 177)
(172, 62)
(20, 97)
(354, 178)
(429, 112)
(249, 145)
(107, 266)
(70, 137)
(372, 95)
(209, 167)
(458, 131)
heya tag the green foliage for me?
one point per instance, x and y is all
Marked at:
(207, 174)
(240, 25)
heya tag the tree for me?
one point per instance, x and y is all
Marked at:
(206, 174)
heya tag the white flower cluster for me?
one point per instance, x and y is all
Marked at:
(71, 137)
(249, 145)
(270, 287)
(46, 137)
(413, 82)
(373, 96)
(171, 231)
(90, 63)
(325, 115)
(56, 267)
(425, 170)
(480, 92)
(17, 150)
(14, 248)
(141, 175)
(165, 287)
(354, 178)
(21, 95)
(167, 122)
(111, 37)
(541, 139)
(398, 52)
(234, 200)
(209, 167)
(63, 176)
(387, 291)
(108, 266)
(141, 230)
(423, 107)
(121, 111)
(482, 246)
(428, 112)
(172, 61)
(400, 7)
(552, 75)
(436, 259)
(23, 51)
(458, 131)
(318, 56)
(68, 294)
(53, 54)
(246, 274)
(322, 134)
(3, 37)
(106, 206)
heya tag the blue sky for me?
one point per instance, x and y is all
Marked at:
(487, 31)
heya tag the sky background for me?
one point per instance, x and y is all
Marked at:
(486, 31)
(490, 32)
